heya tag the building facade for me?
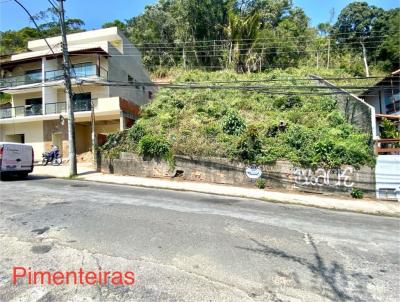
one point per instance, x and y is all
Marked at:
(108, 79)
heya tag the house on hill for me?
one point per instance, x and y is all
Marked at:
(108, 78)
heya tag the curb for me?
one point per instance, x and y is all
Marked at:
(294, 203)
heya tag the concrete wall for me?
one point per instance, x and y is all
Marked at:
(281, 175)
(19, 99)
(83, 138)
(33, 132)
(129, 64)
(54, 126)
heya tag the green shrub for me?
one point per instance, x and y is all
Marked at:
(261, 183)
(388, 129)
(113, 140)
(272, 131)
(298, 137)
(154, 146)
(249, 146)
(287, 102)
(136, 132)
(211, 131)
(357, 193)
(335, 118)
(233, 124)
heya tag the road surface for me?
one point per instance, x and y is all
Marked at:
(190, 246)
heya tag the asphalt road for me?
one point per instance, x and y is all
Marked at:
(190, 246)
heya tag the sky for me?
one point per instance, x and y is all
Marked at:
(97, 12)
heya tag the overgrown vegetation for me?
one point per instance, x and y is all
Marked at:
(246, 125)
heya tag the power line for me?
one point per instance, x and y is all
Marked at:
(34, 22)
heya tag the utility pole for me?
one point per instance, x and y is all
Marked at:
(69, 95)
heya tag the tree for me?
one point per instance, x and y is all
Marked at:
(242, 32)
(118, 23)
(387, 29)
(16, 40)
(356, 24)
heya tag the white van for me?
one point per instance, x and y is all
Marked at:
(15, 159)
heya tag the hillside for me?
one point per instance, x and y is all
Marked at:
(244, 125)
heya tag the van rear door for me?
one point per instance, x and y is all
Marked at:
(27, 160)
(12, 157)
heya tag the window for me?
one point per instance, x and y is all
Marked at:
(82, 101)
(33, 76)
(83, 69)
(33, 106)
(35, 101)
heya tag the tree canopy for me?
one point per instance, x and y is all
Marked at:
(246, 35)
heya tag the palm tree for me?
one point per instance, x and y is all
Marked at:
(242, 33)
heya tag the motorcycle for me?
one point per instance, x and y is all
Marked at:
(51, 157)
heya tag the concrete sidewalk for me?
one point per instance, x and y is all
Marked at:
(86, 172)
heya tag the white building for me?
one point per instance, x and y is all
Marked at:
(101, 60)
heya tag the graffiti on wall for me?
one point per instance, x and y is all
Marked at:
(322, 177)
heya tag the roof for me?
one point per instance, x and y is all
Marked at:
(77, 42)
(392, 80)
(396, 72)
(7, 63)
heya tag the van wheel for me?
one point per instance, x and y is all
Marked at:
(3, 176)
(23, 175)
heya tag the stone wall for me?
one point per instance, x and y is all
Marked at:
(281, 175)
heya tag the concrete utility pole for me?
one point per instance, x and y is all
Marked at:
(70, 106)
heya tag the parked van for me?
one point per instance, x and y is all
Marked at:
(15, 159)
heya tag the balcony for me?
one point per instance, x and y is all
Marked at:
(32, 78)
(21, 111)
(83, 70)
(51, 108)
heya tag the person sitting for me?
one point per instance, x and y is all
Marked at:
(53, 152)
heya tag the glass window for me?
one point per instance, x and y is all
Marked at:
(33, 76)
(83, 70)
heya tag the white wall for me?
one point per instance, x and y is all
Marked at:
(130, 63)
(33, 132)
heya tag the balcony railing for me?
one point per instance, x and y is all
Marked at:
(78, 71)
(51, 108)
(28, 110)
(387, 146)
(79, 106)
(20, 80)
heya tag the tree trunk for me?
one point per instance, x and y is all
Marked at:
(230, 53)
(364, 50)
(184, 57)
(329, 54)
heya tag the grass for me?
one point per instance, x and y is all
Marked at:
(245, 125)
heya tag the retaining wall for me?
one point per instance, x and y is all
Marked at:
(281, 175)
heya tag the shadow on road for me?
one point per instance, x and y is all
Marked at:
(16, 178)
(332, 275)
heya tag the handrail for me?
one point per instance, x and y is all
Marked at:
(79, 70)
(50, 108)
(387, 146)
